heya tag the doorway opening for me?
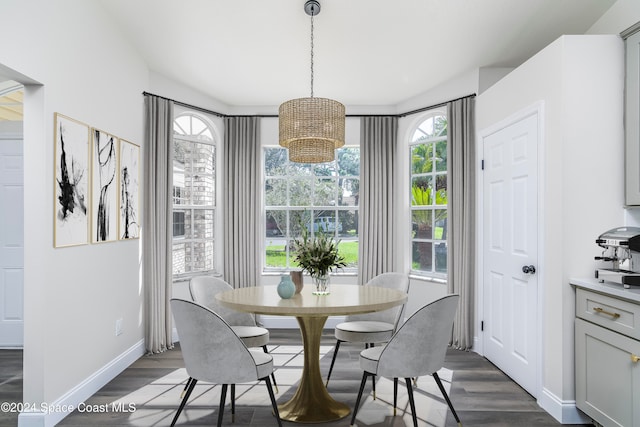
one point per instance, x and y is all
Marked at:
(12, 215)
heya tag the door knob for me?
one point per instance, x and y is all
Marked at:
(528, 269)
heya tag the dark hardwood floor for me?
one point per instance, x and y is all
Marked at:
(10, 384)
(148, 392)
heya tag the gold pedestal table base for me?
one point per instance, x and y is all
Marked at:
(311, 403)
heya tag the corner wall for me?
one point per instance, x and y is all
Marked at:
(580, 81)
(73, 296)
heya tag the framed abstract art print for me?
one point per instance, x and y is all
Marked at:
(129, 191)
(104, 186)
(71, 193)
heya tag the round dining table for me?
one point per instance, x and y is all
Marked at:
(311, 402)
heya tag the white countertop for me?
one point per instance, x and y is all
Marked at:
(608, 288)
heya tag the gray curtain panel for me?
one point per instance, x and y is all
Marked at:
(241, 201)
(157, 211)
(378, 137)
(461, 216)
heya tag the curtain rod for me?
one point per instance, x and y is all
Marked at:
(215, 113)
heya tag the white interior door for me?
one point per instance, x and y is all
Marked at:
(510, 283)
(11, 243)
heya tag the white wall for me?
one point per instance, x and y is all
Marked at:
(168, 88)
(580, 81)
(73, 296)
(620, 16)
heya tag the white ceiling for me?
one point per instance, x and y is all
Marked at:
(367, 53)
(374, 52)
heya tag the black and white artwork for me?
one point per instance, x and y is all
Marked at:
(71, 223)
(129, 191)
(104, 189)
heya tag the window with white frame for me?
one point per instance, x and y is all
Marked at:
(194, 195)
(428, 151)
(320, 197)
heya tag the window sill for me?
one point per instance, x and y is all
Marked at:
(438, 280)
(187, 277)
(281, 272)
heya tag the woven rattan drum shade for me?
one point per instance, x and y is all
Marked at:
(311, 128)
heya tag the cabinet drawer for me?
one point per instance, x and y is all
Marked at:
(612, 313)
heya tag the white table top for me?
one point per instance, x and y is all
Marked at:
(608, 288)
(343, 299)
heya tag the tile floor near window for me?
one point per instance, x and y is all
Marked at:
(148, 393)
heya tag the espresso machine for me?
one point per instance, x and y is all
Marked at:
(621, 247)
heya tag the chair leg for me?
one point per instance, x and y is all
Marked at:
(223, 397)
(373, 377)
(333, 360)
(411, 401)
(395, 395)
(186, 386)
(446, 397)
(273, 377)
(355, 408)
(233, 403)
(373, 383)
(273, 400)
(191, 383)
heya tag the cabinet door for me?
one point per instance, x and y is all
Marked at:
(632, 120)
(607, 379)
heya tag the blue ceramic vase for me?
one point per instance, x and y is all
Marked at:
(286, 288)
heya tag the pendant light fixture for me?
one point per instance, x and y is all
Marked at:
(311, 128)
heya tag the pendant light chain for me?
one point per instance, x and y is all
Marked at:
(312, 13)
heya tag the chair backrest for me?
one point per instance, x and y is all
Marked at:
(211, 351)
(399, 281)
(419, 346)
(203, 291)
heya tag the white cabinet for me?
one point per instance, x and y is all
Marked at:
(607, 351)
(632, 116)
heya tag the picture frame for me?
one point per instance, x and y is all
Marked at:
(104, 186)
(71, 182)
(128, 190)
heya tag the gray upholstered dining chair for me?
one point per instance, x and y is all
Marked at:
(212, 352)
(417, 348)
(372, 328)
(203, 291)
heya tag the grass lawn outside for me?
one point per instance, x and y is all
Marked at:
(277, 255)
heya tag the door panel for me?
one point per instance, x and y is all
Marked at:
(510, 242)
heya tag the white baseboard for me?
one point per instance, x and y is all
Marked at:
(477, 345)
(68, 402)
(564, 411)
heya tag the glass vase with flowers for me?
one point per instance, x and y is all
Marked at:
(318, 255)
